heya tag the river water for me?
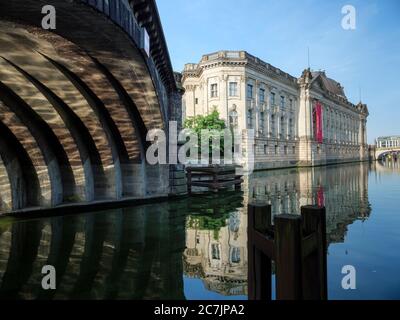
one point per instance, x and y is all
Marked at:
(196, 248)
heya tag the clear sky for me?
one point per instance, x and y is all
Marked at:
(279, 32)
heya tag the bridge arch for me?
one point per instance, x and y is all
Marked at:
(380, 153)
(55, 160)
(22, 175)
(95, 89)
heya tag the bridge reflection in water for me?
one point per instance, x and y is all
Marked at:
(162, 250)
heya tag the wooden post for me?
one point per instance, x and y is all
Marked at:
(189, 180)
(259, 265)
(288, 257)
(215, 181)
(315, 264)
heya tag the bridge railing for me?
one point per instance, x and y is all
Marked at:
(121, 13)
(388, 148)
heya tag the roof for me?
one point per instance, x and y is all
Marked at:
(329, 84)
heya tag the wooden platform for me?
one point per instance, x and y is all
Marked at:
(214, 178)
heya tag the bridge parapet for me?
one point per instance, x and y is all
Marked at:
(388, 149)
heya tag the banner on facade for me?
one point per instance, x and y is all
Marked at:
(317, 115)
(320, 197)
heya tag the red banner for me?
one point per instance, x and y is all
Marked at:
(320, 197)
(317, 115)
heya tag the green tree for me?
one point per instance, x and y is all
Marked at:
(210, 122)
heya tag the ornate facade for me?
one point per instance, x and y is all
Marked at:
(302, 121)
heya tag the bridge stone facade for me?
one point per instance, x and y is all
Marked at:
(76, 103)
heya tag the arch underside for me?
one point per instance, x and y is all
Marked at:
(381, 153)
(78, 104)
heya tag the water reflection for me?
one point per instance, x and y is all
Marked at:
(216, 244)
(343, 190)
(387, 165)
(124, 254)
(149, 252)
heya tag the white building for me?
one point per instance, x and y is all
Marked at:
(297, 121)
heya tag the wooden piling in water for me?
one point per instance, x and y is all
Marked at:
(288, 257)
(297, 244)
(314, 262)
(259, 264)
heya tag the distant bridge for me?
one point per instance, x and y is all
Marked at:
(387, 147)
(387, 152)
(77, 102)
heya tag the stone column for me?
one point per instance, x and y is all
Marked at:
(305, 119)
(177, 176)
(224, 99)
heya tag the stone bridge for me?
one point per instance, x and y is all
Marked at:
(77, 102)
(387, 147)
(387, 152)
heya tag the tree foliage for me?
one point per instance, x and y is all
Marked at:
(208, 122)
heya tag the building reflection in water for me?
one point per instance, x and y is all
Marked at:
(386, 165)
(220, 259)
(216, 244)
(145, 252)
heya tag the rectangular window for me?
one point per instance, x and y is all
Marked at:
(233, 90)
(272, 125)
(214, 90)
(215, 251)
(290, 128)
(265, 148)
(249, 119)
(294, 149)
(196, 101)
(250, 91)
(235, 255)
(262, 121)
(291, 104)
(282, 127)
(285, 149)
(276, 149)
(282, 102)
(262, 96)
(272, 99)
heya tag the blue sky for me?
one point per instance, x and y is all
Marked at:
(279, 32)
